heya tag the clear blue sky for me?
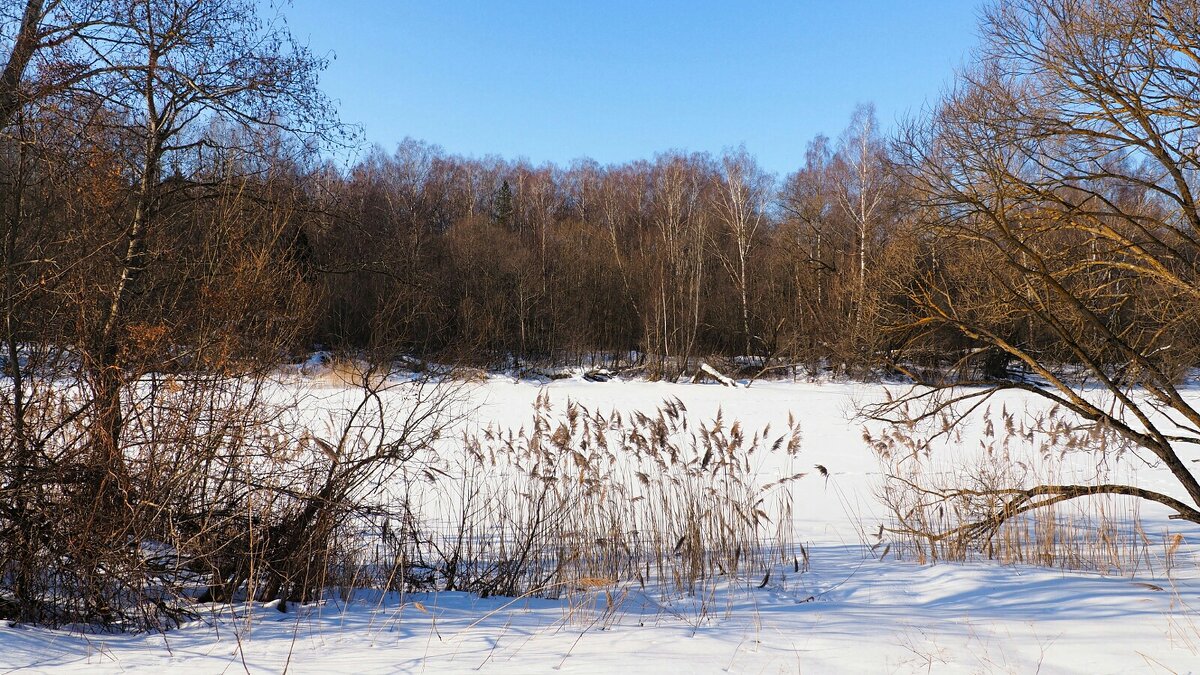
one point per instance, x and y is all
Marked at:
(552, 80)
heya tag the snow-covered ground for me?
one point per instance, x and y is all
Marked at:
(849, 612)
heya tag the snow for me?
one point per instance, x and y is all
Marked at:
(849, 612)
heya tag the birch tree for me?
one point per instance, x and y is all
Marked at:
(681, 225)
(861, 189)
(740, 202)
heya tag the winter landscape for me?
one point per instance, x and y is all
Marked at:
(639, 372)
(853, 606)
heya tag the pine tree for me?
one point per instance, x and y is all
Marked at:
(502, 213)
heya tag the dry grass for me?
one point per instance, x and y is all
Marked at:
(584, 503)
(337, 371)
(944, 507)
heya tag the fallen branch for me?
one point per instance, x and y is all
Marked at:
(714, 374)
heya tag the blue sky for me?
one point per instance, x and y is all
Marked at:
(622, 80)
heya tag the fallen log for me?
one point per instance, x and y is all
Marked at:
(714, 374)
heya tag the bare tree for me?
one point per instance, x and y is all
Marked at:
(677, 188)
(862, 190)
(148, 257)
(1058, 187)
(174, 70)
(808, 235)
(741, 202)
(43, 26)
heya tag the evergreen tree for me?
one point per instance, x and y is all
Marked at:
(502, 212)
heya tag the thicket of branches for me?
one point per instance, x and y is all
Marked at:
(148, 285)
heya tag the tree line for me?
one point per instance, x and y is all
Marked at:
(201, 222)
(653, 262)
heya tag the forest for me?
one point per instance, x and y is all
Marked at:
(203, 221)
(176, 229)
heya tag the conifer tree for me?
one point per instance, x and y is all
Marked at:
(502, 213)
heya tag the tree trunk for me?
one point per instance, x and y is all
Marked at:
(25, 45)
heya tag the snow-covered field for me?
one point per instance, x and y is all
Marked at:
(849, 612)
